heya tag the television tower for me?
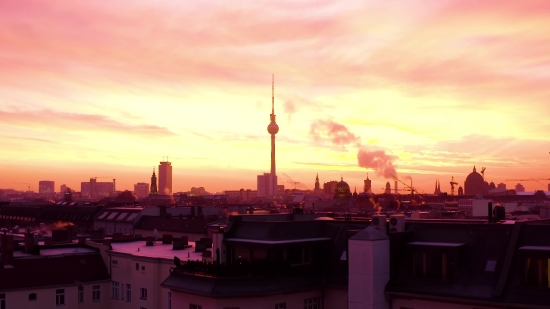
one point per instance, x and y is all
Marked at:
(272, 129)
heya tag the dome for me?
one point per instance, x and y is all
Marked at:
(474, 184)
(272, 128)
(342, 190)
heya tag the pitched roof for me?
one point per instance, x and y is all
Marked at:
(197, 226)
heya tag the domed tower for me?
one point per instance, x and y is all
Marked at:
(474, 184)
(342, 190)
(273, 129)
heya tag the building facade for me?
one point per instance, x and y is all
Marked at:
(165, 178)
(141, 189)
(46, 187)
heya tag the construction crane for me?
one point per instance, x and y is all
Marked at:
(530, 179)
(294, 182)
(411, 188)
(453, 183)
(483, 173)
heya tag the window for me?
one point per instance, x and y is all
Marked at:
(32, 297)
(128, 293)
(433, 265)
(80, 294)
(60, 297)
(143, 293)
(536, 272)
(115, 290)
(2, 301)
(311, 303)
(96, 293)
(115, 262)
(137, 266)
(142, 268)
(280, 306)
(192, 306)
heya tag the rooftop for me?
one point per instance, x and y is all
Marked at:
(55, 252)
(159, 250)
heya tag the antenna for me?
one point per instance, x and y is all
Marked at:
(273, 94)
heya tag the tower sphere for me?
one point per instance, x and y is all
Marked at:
(272, 128)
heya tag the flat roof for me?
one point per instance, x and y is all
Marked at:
(436, 244)
(159, 250)
(276, 242)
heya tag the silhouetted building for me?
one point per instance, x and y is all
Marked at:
(141, 189)
(165, 178)
(63, 188)
(368, 185)
(342, 190)
(46, 187)
(267, 185)
(95, 189)
(198, 191)
(154, 187)
(460, 191)
(520, 188)
(317, 186)
(501, 186)
(388, 188)
(330, 187)
(474, 184)
(437, 187)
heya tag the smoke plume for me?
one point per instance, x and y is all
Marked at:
(337, 133)
(289, 108)
(378, 160)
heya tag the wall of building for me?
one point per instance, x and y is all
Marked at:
(336, 298)
(150, 274)
(399, 303)
(46, 297)
(111, 227)
(293, 301)
(190, 236)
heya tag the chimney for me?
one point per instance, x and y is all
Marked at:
(29, 242)
(490, 212)
(107, 242)
(60, 236)
(48, 241)
(395, 187)
(149, 241)
(199, 211)
(7, 249)
(81, 240)
(162, 211)
(167, 239)
(185, 240)
(178, 244)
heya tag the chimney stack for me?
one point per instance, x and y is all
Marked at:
(490, 212)
(396, 191)
(162, 211)
(7, 249)
(29, 242)
(149, 241)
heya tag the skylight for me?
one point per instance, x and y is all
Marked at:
(491, 265)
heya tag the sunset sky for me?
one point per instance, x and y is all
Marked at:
(109, 88)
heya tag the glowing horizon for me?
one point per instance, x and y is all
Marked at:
(109, 89)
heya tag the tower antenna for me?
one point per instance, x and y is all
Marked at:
(273, 94)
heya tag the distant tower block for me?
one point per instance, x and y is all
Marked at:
(388, 188)
(154, 183)
(317, 186)
(367, 186)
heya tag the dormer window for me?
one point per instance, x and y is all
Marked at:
(536, 266)
(434, 260)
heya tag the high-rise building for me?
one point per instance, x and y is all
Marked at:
(46, 187)
(267, 183)
(520, 188)
(141, 189)
(63, 188)
(388, 188)
(503, 186)
(165, 178)
(154, 189)
(95, 189)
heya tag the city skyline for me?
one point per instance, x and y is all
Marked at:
(109, 100)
